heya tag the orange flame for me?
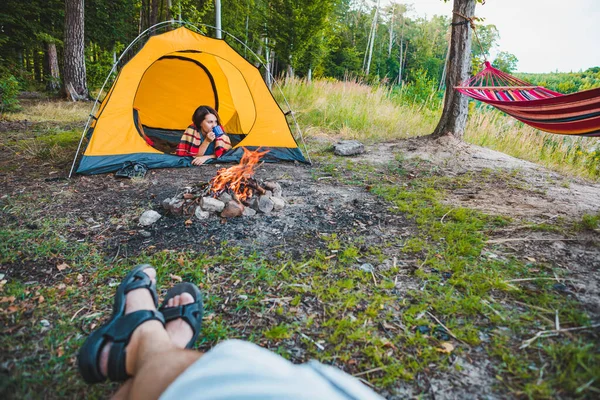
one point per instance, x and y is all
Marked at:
(235, 178)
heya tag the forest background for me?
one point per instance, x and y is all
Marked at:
(399, 57)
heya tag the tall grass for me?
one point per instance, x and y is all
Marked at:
(352, 110)
(51, 111)
(572, 154)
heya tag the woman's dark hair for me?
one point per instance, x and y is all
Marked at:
(201, 113)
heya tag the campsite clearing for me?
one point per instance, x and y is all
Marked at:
(426, 269)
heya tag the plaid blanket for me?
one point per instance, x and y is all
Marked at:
(189, 143)
(192, 139)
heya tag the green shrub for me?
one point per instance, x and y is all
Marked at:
(9, 89)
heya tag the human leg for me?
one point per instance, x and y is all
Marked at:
(146, 383)
(135, 342)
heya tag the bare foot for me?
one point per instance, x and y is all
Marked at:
(138, 299)
(180, 331)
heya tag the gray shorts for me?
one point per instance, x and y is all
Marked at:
(236, 369)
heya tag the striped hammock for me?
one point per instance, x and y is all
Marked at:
(565, 114)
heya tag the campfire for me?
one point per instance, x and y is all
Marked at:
(232, 192)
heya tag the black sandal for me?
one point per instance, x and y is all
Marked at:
(117, 330)
(190, 313)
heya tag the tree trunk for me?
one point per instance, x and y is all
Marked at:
(372, 42)
(74, 70)
(53, 75)
(154, 12)
(391, 34)
(38, 66)
(169, 15)
(454, 115)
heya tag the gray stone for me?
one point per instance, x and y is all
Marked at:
(177, 206)
(366, 267)
(348, 148)
(225, 197)
(166, 203)
(253, 203)
(265, 204)
(249, 212)
(201, 214)
(210, 204)
(273, 187)
(149, 217)
(278, 203)
(145, 234)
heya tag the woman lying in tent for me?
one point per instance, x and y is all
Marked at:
(205, 138)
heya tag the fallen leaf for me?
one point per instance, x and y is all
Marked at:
(447, 348)
(62, 266)
(41, 299)
(60, 351)
(181, 261)
(530, 259)
(92, 326)
(188, 222)
(9, 299)
(12, 309)
(176, 278)
(61, 286)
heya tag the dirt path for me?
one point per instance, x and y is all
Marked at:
(535, 194)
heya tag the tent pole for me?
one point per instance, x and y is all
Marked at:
(218, 18)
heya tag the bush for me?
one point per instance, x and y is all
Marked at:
(9, 89)
(422, 91)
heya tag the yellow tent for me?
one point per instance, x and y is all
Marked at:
(153, 98)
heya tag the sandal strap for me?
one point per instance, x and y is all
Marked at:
(120, 335)
(190, 313)
(142, 281)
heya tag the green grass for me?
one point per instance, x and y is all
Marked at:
(571, 154)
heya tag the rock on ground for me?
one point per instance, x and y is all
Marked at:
(348, 148)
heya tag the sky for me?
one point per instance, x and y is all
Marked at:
(544, 35)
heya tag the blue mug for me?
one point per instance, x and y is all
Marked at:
(218, 131)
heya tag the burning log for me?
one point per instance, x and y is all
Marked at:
(252, 184)
(237, 179)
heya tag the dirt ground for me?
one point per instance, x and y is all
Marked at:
(317, 204)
